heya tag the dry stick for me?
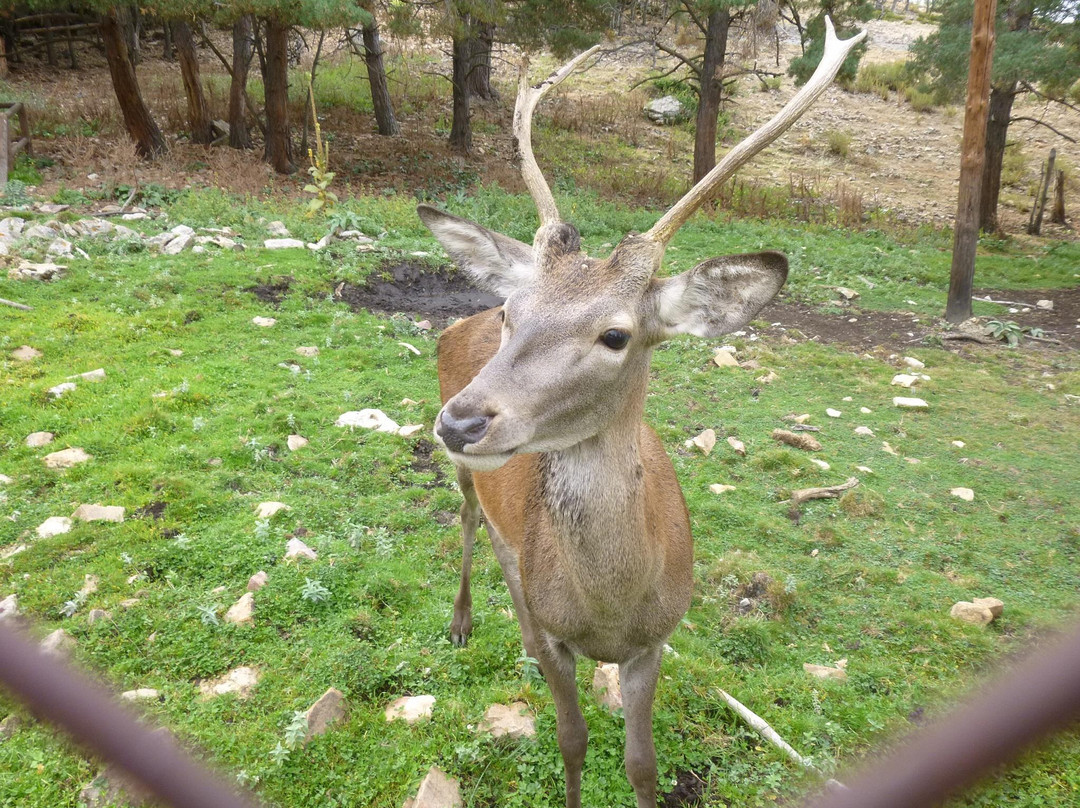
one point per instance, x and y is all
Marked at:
(987, 299)
(971, 337)
(228, 69)
(15, 305)
(801, 495)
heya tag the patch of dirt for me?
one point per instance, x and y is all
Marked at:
(871, 329)
(688, 790)
(1062, 322)
(152, 510)
(273, 291)
(436, 294)
(423, 461)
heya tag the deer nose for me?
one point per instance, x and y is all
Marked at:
(457, 432)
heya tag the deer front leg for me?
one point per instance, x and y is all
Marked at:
(637, 677)
(461, 625)
(508, 560)
(559, 671)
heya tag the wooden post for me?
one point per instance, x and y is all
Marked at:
(1057, 216)
(5, 150)
(972, 157)
(1039, 207)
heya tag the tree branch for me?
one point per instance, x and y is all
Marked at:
(672, 52)
(228, 69)
(1043, 123)
(690, 11)
(1035, 91)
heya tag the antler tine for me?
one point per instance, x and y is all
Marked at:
(527, 99)
(836, 51)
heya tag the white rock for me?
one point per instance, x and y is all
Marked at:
(307, 350)
(5, 480)
(321, 244)
(904, 380)
(437, 790)
(99, 513)
(297, 549)
(865, 410)
(9, 607)
(66, 458)
(665, 111)
(409, 430)
(824, 671)
(705, 441)
(606, 686)
(965, 494)
(141, 694)
(182, 230)
(512, 721)
(910, 403)
(368, 419)
(865, 431)
(1047, 305)
(278, 229)
(57, 644)
(268, 509)
(737, 446)
(847, 294)
(54, 526)
(996, 607)
(257, 581)
(240, 681)
(96, 375)
(768, 378)
(725, 359)
(59, 247)
(967, 612)
(913, 363)
(865, 469)
(885, 447)
(242, 611)
(833, 413)
(175, 352)
(12, 226)
(90, 585)
(283, 243)
(60, 389)
(324, 713)
(135, 217)
(959, 444)
(295, 442)
(39, 231)
(717, 488)
(40, 272)
(177, 245)
(263, 322)
(96, 616)
(798, 419)
(821, 464)
(36, 440)
(410, 709)
(26, 353)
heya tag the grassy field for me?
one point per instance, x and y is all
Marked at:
(189, 444)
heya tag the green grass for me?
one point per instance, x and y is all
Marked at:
(889, 562)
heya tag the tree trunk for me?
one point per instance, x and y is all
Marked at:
(1057, 215)
(168, 50)
(376, 70)
(198, 110)
(710, 92)
(478, 79)
(1039, 208)
(239, 134)
(997, 128)
(972, 154)
(461, 127)
(276, 83)
(132, 27)
(137, 119)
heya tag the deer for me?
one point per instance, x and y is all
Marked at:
(542, 416)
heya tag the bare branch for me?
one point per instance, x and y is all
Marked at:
(1035, 91)
(14, 305)
(1044, 123)
(828, 492)
(690, 11)
(687, 62)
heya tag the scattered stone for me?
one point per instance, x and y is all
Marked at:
(422, 325)
(60, 389)
(705, 441)
(141, 694)
(513, 721)
(965, 494)
(175, 352)
(278, 229)
(99, 513)
(257, 581)
(90, 375)
(321, 244)
(865, 410)
(239, 681)
(177, 245)
(307, 350)
(26, 353)
(330, 709)
(975, 613)
(885, 447)
(242, 612)
(833, 413)
(9, 726)
(865, 431)
(910, 403)
(995, 606)
(665, 111)
(1046, 305)
(283, 243)
(38, 272)
(368, 419)
(904, 380)
(97, 616)
(737, 446)
(59, 247)
(800, 440)
(90, 585)
(606, 685)
(36, 440)
(39, 231)
(725, 359)
(865, 469)
(66, 458)
(5, 480)
(297, 549)
(57, 644)
(129, 603)
(847, 294)
(410, 709)
(821, 464)
(295, 442)
(717, 488)
(11, 551)
(12, 226)
(825, 672)
(112, 788)
(913, 363)
(9, 607)
(797, 419)
(263, 322)
(54, 526)
(268, 509)
(959, 444)
(438, 790)
(768, 378)
(409, 430)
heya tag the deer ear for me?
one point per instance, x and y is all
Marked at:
(497, 263)
(716, 296)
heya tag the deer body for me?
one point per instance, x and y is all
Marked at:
(542, 416)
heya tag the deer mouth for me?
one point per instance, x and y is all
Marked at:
(470, 442)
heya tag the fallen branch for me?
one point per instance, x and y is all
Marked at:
(805, 428)
(1051, 340)
(963, 335)
(800, 495)
(987, 299)
(15, 305)
(798, 440)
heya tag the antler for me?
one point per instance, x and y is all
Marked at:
(836, 52)
(527, 99)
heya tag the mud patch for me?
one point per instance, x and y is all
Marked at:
(423, 460)
(688, 790)
(437, 294)
(273, 291)
(152, 510)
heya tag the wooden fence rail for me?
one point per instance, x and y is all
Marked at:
(9, 148)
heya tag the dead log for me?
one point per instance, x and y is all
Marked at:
(801, 495)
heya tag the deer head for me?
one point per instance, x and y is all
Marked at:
(578, 332)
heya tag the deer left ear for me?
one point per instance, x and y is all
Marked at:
(716, 296)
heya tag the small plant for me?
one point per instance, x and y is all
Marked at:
(208, 615)
(15, 194)
(297, 729)
(837, 143)
(314, 591)
(530, 668)
(71, 606)
(321, 175)
(1006, 331)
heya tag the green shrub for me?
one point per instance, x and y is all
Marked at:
(836, 142)
(1013, 165)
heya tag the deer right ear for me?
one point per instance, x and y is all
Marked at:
(497, 263)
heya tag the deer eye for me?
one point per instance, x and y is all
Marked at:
(615, 338)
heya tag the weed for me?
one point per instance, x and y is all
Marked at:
(314, 591)
(15, 194)
(861, 503)
(1007, 331)
(837, 143)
